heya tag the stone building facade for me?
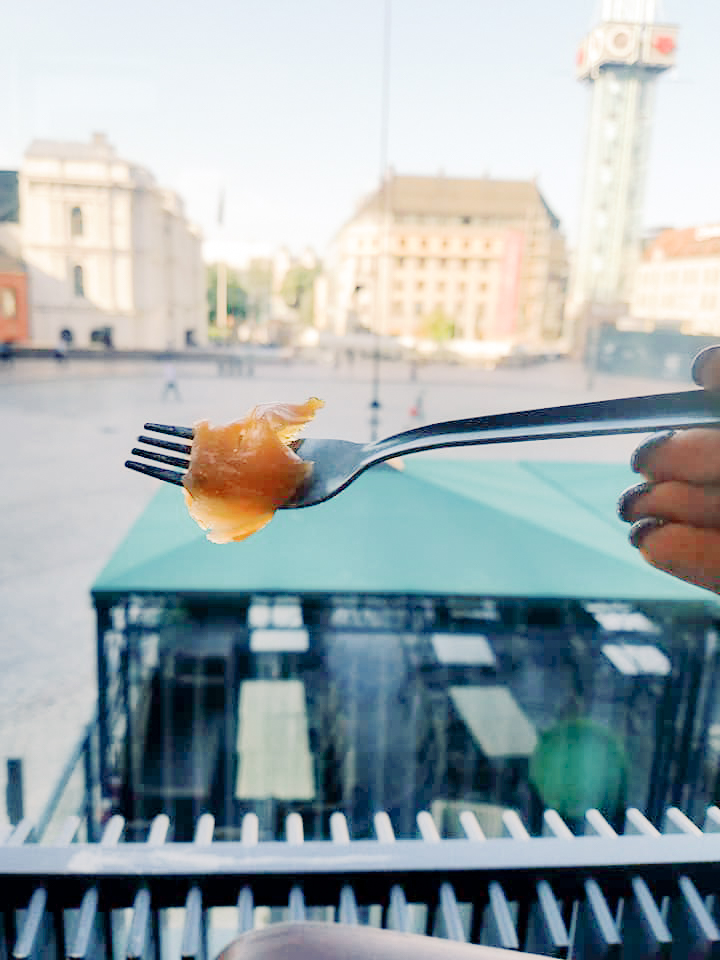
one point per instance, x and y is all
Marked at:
(486, 255)
(111, 256)
(677, 284)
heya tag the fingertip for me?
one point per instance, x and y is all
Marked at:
(706, 368)
(641, 454)
(641, 528)
(627, 498)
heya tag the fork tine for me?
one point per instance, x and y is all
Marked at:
(160, 457)
(166, 444)
(169, 476)
(186, 433)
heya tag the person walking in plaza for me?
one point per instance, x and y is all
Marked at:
(61, 350)
(170, 385)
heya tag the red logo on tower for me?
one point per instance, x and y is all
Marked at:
(659, 47)
(664, 44)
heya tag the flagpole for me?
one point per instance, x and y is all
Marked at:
(221, 314)
(382, 268)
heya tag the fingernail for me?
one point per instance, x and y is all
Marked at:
(639, 530)
(641, 453)
(628, 497)
(699, 363)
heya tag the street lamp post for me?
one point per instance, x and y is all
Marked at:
(381, 275)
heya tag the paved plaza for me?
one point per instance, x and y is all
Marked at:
(68, 501)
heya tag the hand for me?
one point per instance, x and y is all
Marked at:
(675, 513)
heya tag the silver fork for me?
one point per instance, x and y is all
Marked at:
(336, 463)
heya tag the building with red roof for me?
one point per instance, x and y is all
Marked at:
(677, 284)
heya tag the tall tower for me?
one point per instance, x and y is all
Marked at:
(620, 58)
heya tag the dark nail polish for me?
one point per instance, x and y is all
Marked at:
(628, 497)
(639, 530)
(700, 361)
(641, 453)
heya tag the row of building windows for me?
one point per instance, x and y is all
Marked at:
(428, 220)
(440, 287)
(401, 308)
(431, 263)
(428, 243)
(707, 301)
(674, 277)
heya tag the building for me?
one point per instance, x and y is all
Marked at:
(620, 59)
(13, 273)
(677, 284)
(111, 256)
(13, 300)
(485, 257)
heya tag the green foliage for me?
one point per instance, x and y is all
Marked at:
(258, 279)
(438, 326)
(297, 291)
(237, 298)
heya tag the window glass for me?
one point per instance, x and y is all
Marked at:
(76, 222)
(78, 281)
(8, 302)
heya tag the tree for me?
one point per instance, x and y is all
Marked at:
(297, 291)
(438, 326)
(236, 296)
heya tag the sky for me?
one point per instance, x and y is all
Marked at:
(278, 104)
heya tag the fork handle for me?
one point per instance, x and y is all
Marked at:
(665, 411)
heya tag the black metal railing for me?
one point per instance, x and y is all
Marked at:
(645, 893)
(76, 791)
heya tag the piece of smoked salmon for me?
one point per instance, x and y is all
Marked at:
(241, 473)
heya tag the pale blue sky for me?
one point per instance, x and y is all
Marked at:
(279, 101)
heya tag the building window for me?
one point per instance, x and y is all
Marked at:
(78, 281)
(76, 222)
(8, 303)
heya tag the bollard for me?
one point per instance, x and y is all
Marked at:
(14, 791)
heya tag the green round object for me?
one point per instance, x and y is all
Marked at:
(579, 766)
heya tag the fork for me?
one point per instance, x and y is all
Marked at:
(336, 463)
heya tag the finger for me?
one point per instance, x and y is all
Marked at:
(706, 368)
(684, 552)
(673, 501)
(692, 456)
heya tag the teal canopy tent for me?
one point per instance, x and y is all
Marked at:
(380, 575)
(438, 526)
